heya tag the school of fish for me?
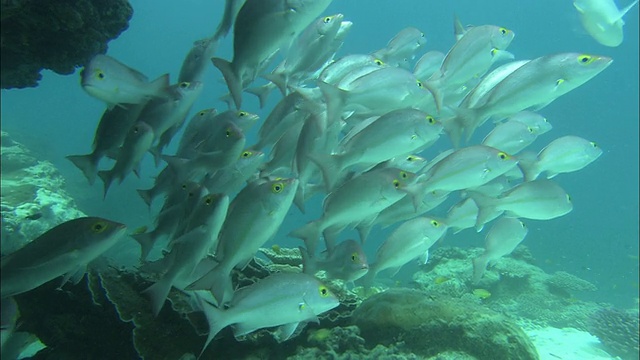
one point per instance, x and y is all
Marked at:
(356, 128)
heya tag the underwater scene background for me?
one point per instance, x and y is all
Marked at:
(597, 241)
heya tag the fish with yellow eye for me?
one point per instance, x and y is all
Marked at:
(411, 240)
(533, 85)
(65, 250)
(346, 261)
(481, 293)
(464, 168)
(362, 196)
(254, 217)
(562, 155)
(395, 133)
(287, 300)
(113, 82)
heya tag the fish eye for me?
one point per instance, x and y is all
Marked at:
(419, 83)
(430, 119)
(503, 155)
(324, 292)
(228, 133)
(494, 51)
(530, 129)
(378, 62)
(396, 183)
(411, 158)
(568, 198)
(100, 74)
(184, 85)
(241, 113)
(435, 223)
(403, 174)
(354, 257)
(191, 194)
(523, 225)
(99, 227)
(277, 187)
(503, 31)
(246, 154)
(421, 34)
(327, 19)
(585, 59)
(136, 129)
(202, 113)
(595, 145)
(184, 186)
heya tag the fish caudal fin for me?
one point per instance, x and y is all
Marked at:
(218, 282)
(309, 265)
(88, 164)
(310, 234)
(146, 242)
(479, 267)
(216, 319)
(160, 86)
(107, 179)
(158, 293)
(233, 82)
(335, 98)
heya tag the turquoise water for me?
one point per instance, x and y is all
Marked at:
(597, 241)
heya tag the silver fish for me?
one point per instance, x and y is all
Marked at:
(66, 249)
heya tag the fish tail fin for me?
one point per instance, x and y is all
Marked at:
(107, 179)
(438, 97)
(330, 166)
(310, 233)
(309, 265)
(624, 11)
(262, 92)
(146, 241)
(486, 210)
(88, 164)
(299, 197)
(479, 267)
(454, 129)
(158, 293)
(335, 98)
(216, 319)
(146, 195)
(529, 166)
(159, 87)
(233, 82)
(280, 79)
(218, 282)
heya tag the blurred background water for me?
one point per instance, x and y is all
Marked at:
(597, 241)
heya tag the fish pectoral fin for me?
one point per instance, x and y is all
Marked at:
(74, 275)
(285, 331)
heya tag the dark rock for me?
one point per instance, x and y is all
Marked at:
(58, 35)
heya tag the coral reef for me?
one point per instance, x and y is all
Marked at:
(428, 325)
(617, 330)
(563, 283)
(517, 287)
(33, 199)
(57, 35)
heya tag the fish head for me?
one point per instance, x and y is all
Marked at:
(319, 298)
(329, 25)
(501, 37)
(94, 231)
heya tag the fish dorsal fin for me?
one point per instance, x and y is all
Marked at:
(624, 11)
